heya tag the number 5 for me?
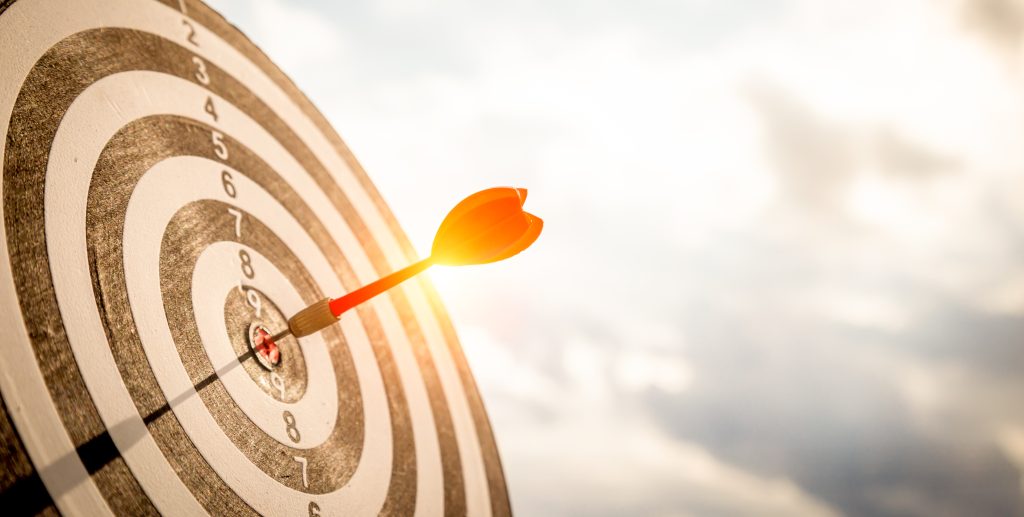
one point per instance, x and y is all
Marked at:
(219, 148)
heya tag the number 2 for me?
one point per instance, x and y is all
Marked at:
(191, 33)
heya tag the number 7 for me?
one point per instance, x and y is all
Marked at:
(303, 462)
(238, 221)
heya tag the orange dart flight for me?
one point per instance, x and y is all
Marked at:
(485, 227)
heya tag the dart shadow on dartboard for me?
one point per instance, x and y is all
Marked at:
(29, 496)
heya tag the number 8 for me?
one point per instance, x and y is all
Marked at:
(247, 269)
(289, 422)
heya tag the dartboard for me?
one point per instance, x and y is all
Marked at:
(167, 192)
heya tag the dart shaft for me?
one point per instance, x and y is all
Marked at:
(327, 311)
(368, 291)
(281, 335)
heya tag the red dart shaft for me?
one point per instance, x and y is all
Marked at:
(364, 293)
(326, 311)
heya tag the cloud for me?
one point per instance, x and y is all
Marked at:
(901, 157)
(781, 269)
(813, 158)
(828, 410)
(618, 462)
(1001, 21)
(818, 160)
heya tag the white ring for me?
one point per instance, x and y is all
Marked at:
(47, 441)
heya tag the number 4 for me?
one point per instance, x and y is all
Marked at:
(209, 109)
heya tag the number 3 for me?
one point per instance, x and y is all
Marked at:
(200, 74)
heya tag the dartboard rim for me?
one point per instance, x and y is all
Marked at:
(22, 472)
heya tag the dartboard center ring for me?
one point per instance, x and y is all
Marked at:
(285, 379)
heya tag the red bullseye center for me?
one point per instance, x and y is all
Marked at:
(266, 350)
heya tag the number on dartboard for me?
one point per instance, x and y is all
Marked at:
(229, 187)
(314, 509)
(219, 148)
(289, 423)
(253, 298)
(247, 269)
(302, 461)
(238, 217)
(278, 382)
(201, 74)
(191, 38)
(208, 107)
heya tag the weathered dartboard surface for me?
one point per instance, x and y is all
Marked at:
(164, 188)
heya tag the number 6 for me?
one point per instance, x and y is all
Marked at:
(229, 188)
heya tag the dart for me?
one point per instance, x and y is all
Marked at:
(158, 176)
(485, 227)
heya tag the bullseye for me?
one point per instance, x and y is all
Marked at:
(263, 346)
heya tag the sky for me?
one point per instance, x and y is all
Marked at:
(782, 268)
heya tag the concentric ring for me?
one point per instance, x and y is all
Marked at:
(151, 85)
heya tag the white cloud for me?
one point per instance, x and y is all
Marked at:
(637, 371)
(617, 465)
(675, 259)
(581, 454)
(299, 39)
(1012, 440)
